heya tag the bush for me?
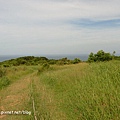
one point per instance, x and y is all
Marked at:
(4, 81)
(99, 56)
(52, 62)
(76, 60)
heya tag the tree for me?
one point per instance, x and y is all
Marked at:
(91, 57)
(113, 54)
(76, 60)
(99, 56)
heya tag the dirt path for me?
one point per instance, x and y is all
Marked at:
(19, 97)
(45, 103)
(16, 97)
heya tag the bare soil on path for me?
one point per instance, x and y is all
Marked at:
(15, 98)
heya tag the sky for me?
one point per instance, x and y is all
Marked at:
(47, 27)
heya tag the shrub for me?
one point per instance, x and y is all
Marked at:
(52, 62)
(76, 60)
(99, 56)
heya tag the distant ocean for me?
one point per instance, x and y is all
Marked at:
(83, 57)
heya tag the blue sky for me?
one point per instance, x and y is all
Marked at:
(32, 27)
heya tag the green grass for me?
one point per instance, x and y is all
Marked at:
(71, 92)
(11, 74)
(86, 92)
(4, 81)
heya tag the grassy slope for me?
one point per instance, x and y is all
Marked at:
(82, 92)
(71, 92)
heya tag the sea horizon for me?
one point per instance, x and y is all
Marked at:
(82, 57)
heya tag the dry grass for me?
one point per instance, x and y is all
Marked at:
(15, 98)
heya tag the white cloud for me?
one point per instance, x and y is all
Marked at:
(52, 10)
(43, 25)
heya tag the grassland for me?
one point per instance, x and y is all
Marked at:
(70, 92)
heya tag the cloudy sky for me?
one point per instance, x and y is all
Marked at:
(30, 27)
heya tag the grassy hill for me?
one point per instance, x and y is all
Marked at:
(84, 91)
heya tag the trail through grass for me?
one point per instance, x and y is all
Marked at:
(16, 97)
(45, 103)
(72, 92)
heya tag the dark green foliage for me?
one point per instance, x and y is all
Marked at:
(31, 60)
(91, 57)
(76, 60)
(52, 61)
(4, 81)
(43, 58)
(63, 61)
(100, 56)
(27, 60)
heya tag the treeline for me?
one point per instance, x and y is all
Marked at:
(31, 60)
(102, 56)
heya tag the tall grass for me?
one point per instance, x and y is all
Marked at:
(86, 92)
(72, 92)
(4, 81)
(11, 74)
(2, 72)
